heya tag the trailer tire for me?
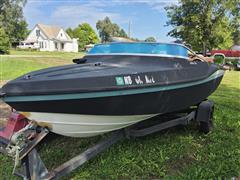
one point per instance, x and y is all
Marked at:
(205, 116)
(205, 127)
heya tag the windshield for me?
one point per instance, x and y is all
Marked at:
(140, 48)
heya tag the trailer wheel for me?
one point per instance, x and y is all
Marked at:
(205, 116)
(205, 127)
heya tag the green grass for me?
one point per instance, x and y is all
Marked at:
(22, 62)
(177, 153)
(65, 55)
(11, 68)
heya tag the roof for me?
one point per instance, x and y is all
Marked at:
(49, 31)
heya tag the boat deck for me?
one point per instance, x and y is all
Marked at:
(105, 73)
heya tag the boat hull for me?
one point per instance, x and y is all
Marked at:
(82, 116)
(117, 103)
(77, 125)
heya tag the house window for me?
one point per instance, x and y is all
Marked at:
(37, 32)
(41, 44)
(62, 45)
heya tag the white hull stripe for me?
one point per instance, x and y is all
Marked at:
(79, 125)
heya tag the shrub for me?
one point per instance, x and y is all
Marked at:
(27, 49)
(4, 42)
(219, 59)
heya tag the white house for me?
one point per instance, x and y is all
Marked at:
(49, 38)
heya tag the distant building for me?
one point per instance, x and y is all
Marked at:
(88, 47)
(235, 47)
(121, 39)
(49, 38)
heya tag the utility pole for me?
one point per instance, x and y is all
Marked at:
(129, 29)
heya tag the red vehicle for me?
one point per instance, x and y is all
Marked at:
(230, 58)
(226, 53)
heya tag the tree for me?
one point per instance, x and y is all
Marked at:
(150, 39)
(107, 29)
(4, 42)
(122, 33)
(236, 23)
(236, 37)
(204, 24)
(12, 19)
(85, 34)
(70, 32)
(20, 31)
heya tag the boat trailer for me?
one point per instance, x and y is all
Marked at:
(20, 137)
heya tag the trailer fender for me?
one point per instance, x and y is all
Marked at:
(205, 111)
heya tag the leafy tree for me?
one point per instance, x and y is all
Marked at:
(4, 42)
(107, 29)
(236, 37)
(236, 22)
(204, 24)
(150, 39)
(122, 33)
(20, 31)
(70, 32)
(85, 34)
(12, 19)
(136, 39)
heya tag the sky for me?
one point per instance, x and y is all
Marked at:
(146, 17)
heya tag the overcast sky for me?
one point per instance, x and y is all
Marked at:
(147, 18)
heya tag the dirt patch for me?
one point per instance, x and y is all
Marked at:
(5, 110)
(2, 82)
(180, 164)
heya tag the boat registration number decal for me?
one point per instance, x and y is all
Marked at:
(128, 80)
(119, 81)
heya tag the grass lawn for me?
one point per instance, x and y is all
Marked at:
(64, 55)
(177, 153)
(21, 62)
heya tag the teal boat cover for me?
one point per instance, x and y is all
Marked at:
(140, 48)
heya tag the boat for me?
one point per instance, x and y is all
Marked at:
(113, 86)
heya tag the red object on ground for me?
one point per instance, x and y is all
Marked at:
(227, 53)
(15, 122)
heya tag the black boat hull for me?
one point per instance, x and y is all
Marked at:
(135, 104)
